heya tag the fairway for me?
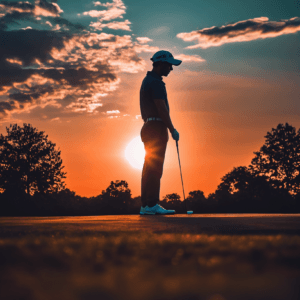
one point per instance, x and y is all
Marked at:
(178, 223)
(212, 257)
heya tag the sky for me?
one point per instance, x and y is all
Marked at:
(74, 69)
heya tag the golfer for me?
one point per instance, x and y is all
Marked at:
(156, 114)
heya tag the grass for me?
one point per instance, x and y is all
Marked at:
(149, 266)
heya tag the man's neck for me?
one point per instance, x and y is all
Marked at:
(156, 71)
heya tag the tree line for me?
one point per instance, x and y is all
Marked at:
(32, 181)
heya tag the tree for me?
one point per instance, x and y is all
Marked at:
(29, 162)
(243, 191)
(172, 197)
(196, 195)
(116, 198)
(240, 179)
(117, 189)
(197, 201)
(279, 159)
(172, 201)
(240, 191)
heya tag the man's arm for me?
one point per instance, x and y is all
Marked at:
(164, 113)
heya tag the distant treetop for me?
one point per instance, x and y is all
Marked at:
(29, 162)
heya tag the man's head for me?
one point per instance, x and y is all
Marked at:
(163, 62)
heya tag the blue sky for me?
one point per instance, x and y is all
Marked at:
(162, 20)
(167, 25)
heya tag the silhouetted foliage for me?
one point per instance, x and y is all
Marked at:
(243, 191)
(116, 197)
(269, 185)
(197, 202)
(173, 201)
(29, 162)
(172, 197)
(279, 158)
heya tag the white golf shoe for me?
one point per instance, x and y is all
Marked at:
(158, 210)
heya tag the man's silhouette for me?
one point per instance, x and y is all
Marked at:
(156, 115)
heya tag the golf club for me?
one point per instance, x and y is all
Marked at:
(187, 211)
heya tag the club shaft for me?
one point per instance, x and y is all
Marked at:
(181, 174)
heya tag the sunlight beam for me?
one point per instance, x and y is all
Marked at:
(135, 153)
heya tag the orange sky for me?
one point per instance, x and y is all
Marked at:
(67, 67)
(222, 120)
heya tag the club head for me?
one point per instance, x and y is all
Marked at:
(189, 212)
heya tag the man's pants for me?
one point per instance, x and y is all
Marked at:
(154, 135)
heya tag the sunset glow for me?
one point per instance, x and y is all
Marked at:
(77, 69)
(150, 149)
(135, 153)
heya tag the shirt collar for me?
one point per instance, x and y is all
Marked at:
(152, 73)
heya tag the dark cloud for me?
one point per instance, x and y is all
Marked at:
(29, 72)
(48, 6)
(28, 45)
(66, 66)
(4, 106)
(24, 6)
(25, 47)
(40, 8)
(243, 31)
(68, 24)
(25, 11)
(12, 18)
(20, 97)
(8, 76)
(80, 77)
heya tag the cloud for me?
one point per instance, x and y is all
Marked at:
(242, 31)
(4, 106)
(11, 13)
(144, 40)
(159, 30)
(190, 58)
(118, 3)
(40, 8)
(14, 61)
(114, 10)
(113, 112)
(145, 48)
(55, 119)
(64, 24)
(141, 45)
(106, 15)
(112, 25)
(46, 64)
(64, 65)
(85, 104)
(48, 23)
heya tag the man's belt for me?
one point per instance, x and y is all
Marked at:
(154, 119)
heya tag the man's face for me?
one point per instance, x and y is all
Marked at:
(166, 68)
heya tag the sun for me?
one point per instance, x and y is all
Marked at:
(135, 153)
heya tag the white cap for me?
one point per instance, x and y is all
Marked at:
(165, 56)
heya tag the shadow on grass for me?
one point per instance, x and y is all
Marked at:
(234, 225)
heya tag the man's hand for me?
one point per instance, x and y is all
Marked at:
(175, 135)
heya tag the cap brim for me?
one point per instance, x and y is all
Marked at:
(173, 61)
